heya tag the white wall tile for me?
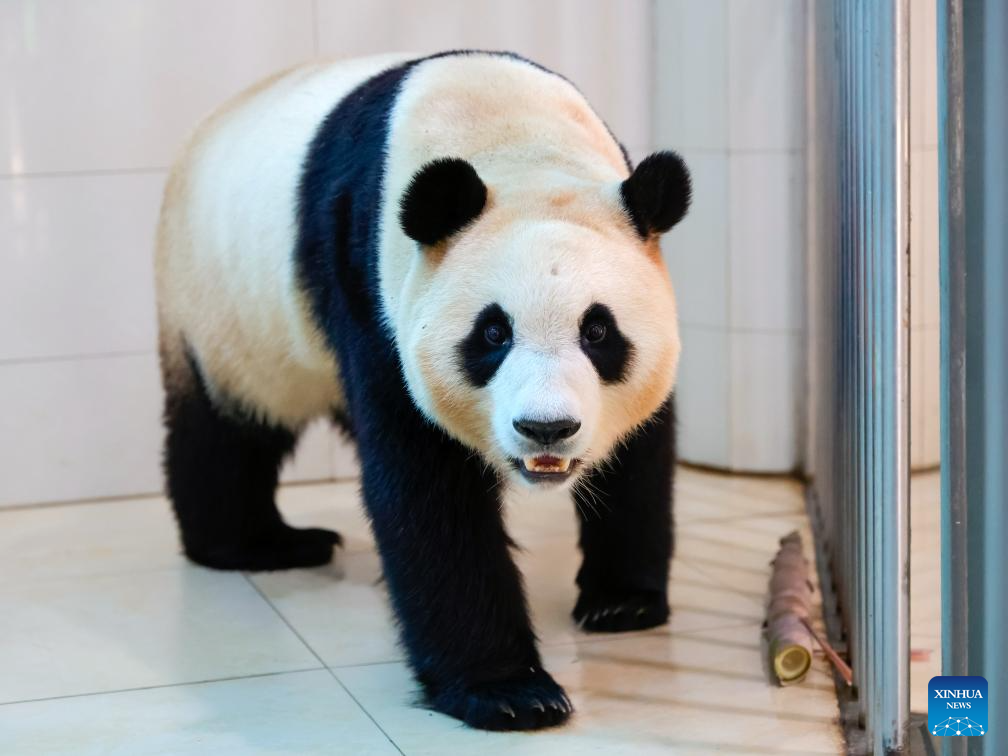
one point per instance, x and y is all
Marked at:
(767, 388)
(766, 74)
(691, 77)
(924, 287)
(111, 91)
(917, 241)
(85, 428)
(77, 257)
(932, 397)
(344, 458)
(600, 45)
(313, 457)
(923, 73)
(767, 240)
(696, 251)
(702, 397)
(918, 391)
(928, 190)
(116, 84)
(73, 429)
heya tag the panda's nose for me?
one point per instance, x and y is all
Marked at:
(547, 432)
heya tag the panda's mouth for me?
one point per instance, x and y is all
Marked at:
(546, 468)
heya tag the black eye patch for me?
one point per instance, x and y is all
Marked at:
(604, 344)
(488, 343)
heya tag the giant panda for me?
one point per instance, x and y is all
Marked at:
(452, 256)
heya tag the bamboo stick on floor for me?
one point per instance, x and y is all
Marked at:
(788, 638)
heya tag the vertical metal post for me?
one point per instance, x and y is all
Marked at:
(952, 282)
(860, 263)
(994, 325)
(973, 63)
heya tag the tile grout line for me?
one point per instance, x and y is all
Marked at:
(182, 684)
(325, 666)
(84, 173)
(153, 495)
(79, 357)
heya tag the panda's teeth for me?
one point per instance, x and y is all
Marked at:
(546, 464)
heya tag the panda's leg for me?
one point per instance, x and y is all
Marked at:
(625, 513)
(436, 515)
(221, 476)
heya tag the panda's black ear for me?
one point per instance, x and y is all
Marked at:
(442, 197)
(657, 194)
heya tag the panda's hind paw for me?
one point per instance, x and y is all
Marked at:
(282, 549)
(531, 702)
(620, 611)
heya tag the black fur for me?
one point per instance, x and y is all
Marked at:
(479, 358)
(222, 474)
(657, 194)
(625, 510)
(612, 355)
(463, 620)
(441, 199)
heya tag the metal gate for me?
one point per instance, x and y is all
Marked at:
(859, 277)
(858, 284)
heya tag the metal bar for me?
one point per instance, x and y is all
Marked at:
(995, 328)
(952, 283)
(973, 37)
(896, 568)
(861, 473)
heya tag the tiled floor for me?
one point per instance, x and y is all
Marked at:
(925, 585)
(112, 643)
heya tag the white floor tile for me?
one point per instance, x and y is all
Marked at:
(341, 610)
(136, 535)
(101, 601)
(88, 540)
(293, 713)
(925, 585)
(103, 633)
(632, 695)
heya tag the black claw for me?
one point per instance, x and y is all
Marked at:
(614, 611)
(531, 702)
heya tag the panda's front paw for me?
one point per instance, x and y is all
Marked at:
(611, 611)
(530, 702)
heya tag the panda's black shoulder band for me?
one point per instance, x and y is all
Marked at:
(443, 197)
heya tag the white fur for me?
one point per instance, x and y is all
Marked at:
(226, 275)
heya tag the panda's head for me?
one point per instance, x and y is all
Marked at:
(538, 324)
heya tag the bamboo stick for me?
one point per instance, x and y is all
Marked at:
(788, 639)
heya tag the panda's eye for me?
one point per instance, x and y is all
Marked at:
(594, 332)
(496, 334)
